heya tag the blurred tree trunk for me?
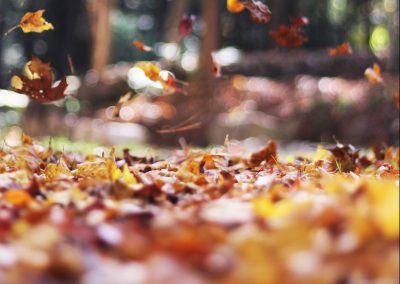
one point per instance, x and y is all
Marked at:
(176, 9)
(99, 17)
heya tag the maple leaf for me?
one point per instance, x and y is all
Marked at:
(235, 6)
(374, 74)
(141, 46)
(343, 49)
(33, 22)
(37, 82)
(186, 25)
(259, 12)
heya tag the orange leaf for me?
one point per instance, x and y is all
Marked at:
(343, 49)
(17, 197)
(374, 74)
(34, 22)
(259, 12)
(37, 84)
(235, 6)
(141, 46)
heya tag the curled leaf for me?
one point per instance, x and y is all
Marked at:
(259, 12)
(34, 22)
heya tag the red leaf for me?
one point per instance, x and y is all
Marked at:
(186, 25)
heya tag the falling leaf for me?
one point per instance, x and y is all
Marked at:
(299, 21)
(141, 46)
(33, 22)
(37, 82)
(259, 12)
(289, 36)
(235, 6)
(186, 25)
(343, 49)
(374, 74)
(216, 67)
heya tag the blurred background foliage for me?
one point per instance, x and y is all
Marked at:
(299, 94)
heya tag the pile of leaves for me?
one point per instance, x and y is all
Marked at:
(201, 216)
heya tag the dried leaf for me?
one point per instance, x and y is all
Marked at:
(34, 22)
(343, 49)
(37, 82)
(268, 154)
(259, 12)
(374, 74)
(141, 46)
(289, 36)
(235, 6)
(186, 25)
(17, 197)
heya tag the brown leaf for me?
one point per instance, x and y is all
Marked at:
(268, 154)
(37, 84)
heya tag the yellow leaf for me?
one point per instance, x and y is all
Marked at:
(34, 22)
(127, 176)
(234, 6)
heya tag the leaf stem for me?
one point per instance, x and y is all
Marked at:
(12, 29)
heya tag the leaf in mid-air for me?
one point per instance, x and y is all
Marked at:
(374, 74)
(37, 82)
(259, 12)
(141, 46)
(343, 49)
(235, 6)
(186, 25)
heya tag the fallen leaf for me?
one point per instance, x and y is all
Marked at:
(33, 22)
(268, 154)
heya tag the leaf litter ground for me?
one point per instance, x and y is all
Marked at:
(200, 216)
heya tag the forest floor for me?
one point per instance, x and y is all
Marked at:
(215, 215)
